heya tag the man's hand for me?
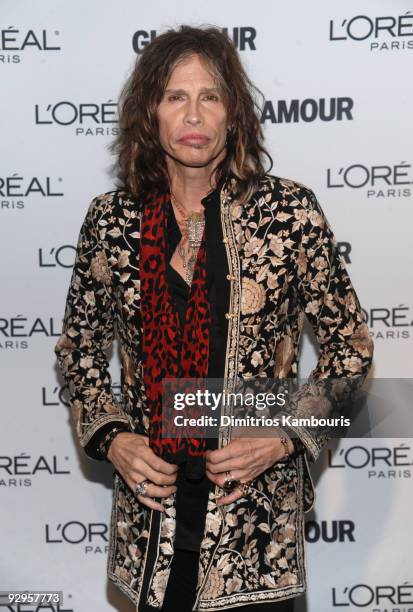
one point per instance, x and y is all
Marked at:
(246, 458)
(135, 461)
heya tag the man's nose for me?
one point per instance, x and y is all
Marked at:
(193, 114)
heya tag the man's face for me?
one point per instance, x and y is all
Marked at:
(191, 115)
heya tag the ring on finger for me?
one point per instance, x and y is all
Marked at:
(229, 482)
(141, 488)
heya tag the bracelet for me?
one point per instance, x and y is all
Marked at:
(284, 442)
(103, 446)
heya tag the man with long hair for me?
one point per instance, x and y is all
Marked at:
(207, 265)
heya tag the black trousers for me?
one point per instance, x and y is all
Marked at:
(180, 592)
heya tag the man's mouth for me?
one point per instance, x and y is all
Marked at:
(194, 140)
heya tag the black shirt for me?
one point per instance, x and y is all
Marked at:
(192, 495)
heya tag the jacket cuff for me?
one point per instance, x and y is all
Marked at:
(97, 447)
(304, 442)
(299, 447)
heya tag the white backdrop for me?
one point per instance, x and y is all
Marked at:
(58, 57)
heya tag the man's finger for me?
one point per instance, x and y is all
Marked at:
(141, 468)
(146, 501)
(230, 497)
(223, 454)
(154, 490)
(240, 463)
(157, 463)
(235, 473)
(151, 503)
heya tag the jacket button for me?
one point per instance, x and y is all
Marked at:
(225, 240)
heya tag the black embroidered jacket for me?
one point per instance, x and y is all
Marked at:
(284, 265)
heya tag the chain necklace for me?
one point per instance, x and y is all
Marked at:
(192, 234)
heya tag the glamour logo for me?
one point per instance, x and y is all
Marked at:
(242, 37)
(94, 536)
(385, 33)
(18, 470)
(15, 42)
(385, 597)
(88, 118)
(376, 462)
(329, 531)
(308, 110)
(389, 323)
(15, 188)
(12, 330)
(378, 181)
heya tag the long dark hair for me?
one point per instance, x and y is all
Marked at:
(141, 165)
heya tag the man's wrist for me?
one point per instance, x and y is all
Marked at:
(284, 441)
(106, 442)
(290, 446)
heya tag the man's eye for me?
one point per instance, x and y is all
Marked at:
(173, 97)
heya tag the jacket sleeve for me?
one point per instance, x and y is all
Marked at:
(327, 297)
(87, 332)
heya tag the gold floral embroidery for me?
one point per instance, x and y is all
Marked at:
(100, 269)
(286, 263)
(252, 296)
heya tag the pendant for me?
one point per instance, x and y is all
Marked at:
(195, 224)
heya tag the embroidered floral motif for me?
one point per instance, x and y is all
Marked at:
(286, 265)
(253, 296)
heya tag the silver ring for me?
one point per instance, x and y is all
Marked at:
(141, 488)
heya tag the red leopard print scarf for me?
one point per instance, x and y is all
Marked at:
(167, 354)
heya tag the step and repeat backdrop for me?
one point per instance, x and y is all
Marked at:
(337, 116)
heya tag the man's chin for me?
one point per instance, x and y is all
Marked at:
(194, 158)
(192, 161)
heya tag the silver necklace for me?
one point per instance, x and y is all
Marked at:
(192, 230)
